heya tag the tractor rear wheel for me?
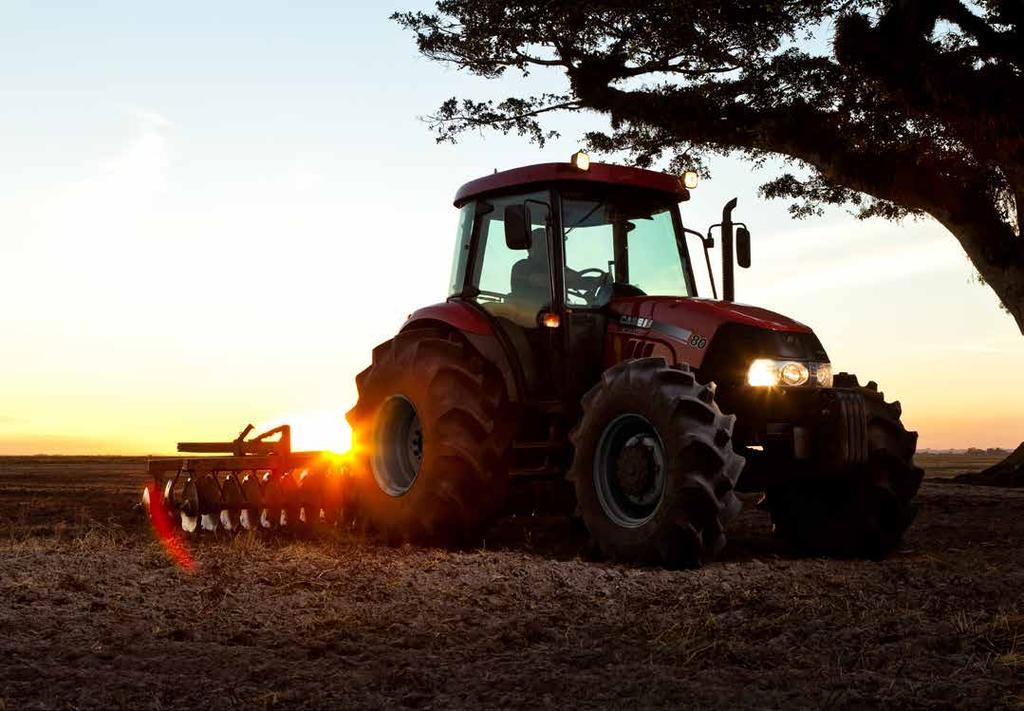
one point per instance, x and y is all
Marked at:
(654, 468)
(432, 431)
(865, 513)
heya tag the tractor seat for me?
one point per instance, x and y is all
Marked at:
(530, 280)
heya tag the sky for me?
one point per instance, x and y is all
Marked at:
(211, 212)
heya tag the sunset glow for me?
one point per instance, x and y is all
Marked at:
(184, 249)
(325, 430)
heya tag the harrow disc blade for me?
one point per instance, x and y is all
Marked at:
(170, 503)
(232, 500)
(270, 513)
(290, 502)
(154, 505)
(210, 501)
(332, 496)
(311, 497)
(209, 522)
(252, 494)
(189, 508)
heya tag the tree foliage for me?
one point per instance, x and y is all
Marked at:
(893, 107)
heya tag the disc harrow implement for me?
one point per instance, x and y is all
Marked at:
(256, 484)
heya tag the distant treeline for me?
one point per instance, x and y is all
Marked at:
(973, 451)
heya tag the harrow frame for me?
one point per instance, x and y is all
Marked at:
(257, 483)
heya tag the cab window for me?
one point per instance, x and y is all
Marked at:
(622, 245)
(513, 283)
(463, 235)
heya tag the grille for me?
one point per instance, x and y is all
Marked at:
(852, 426)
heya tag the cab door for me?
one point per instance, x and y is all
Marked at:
(513, 283)
(585, 248)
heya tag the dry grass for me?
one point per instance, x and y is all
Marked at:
(947, 466)
(94, 616)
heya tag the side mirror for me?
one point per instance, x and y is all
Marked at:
(517, 227)
(743, 247)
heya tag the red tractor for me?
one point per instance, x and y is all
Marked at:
(573, 345)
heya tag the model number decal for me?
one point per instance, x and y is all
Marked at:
(690, 338)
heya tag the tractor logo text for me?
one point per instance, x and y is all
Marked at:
(635, 321)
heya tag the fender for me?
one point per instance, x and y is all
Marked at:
(455, 314)
(478, 328)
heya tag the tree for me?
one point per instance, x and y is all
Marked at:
(914, 107)
(892, 107)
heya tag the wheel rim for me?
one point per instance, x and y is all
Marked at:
(398, 451)
(629, 471)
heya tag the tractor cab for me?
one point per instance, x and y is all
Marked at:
(604, 243)
(569, 262)
(545, 250)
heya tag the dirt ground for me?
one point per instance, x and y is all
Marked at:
(94, 615)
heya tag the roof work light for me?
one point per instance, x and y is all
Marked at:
(580, 160)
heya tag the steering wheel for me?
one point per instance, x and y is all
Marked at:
(589, 293)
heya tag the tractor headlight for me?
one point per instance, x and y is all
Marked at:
(823, 374)
(763, 373)
(770, 373)
(794, 374)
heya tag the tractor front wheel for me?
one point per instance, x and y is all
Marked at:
(654, 468)
(865, 513)
(431, 436)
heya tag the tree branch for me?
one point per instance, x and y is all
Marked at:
(991, 43)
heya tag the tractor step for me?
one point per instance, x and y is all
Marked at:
(548, 407)
(542, 445)
(544, 472)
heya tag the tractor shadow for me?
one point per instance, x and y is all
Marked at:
(547, 532)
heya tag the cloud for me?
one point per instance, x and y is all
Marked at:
(135, 173)
(79, 225)
(151, 118)
(831, 258)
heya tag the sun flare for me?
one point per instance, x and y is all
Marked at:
(325, 430)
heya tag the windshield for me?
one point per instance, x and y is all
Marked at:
(621, 245)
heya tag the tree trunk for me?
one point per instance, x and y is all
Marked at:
(996, 251)
(1007, 281)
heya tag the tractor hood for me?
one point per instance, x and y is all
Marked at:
(689, 326)
(686, 312)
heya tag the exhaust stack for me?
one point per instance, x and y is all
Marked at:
(728, 270)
